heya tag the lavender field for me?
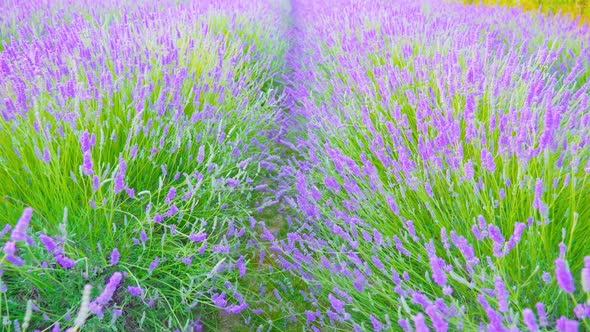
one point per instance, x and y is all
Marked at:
(293, 165)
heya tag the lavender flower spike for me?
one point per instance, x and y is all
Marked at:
(529, 320)
(586, 275)
(20, 229)
(107, 294)
(563, 276)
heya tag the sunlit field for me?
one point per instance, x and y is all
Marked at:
(579, 9)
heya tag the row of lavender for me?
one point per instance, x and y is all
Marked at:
(445, 174)
(137, 137)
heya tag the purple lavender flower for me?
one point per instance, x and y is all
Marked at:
(46, 155)
(377, 325)
(135, 290)
(241, 266)
(404, 324)
(119, 180)
(97, 305)
(529, 320)
(65, 262)
(198, 237)
(537, 201)
(201, 154)
(219, 299)
(5, 230)
(87, 164)
(501, 294)
(20, 229)
(143, 236)
(543, 321)
(154, 264)
(115, 255)
(170, 196)
(233, 182)
(585, 279)
(392, 204)
(311, 316)
(48, 242)
(158, 218)
(331, 183)
(10, 252)
(487, 160)
(336, 303)
(420, 323)
(563, 324)
(563, 276)
(438, 323)
(436, 265)
(236, 308)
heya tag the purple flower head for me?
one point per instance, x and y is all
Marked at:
(201, 154)
(404, 324)
(543, 321)
(143, 236)
(46, 155)
(10, 251)
(331, 183)
(135, 290)
(158, 218)
(236, 308)
(420, 323)
(310, 316)
(65, 262)
(392, 204)
(107, 293)
(501, 294)
(436, 265)
(336, 303)
(219, 299)
(267, 234)
(119, 180)
(87, 164)
(115, 255)
(171, 194)
(496, 234)
(529, 320)
(377, 262)
(241, 266)
(197, 237)
(468, 170)
(233, 182)
(48, 242)
(585, 278)
(377, 325)
(7, 227)
(538, 200)
(438, 323)
(563, 324)
(487, 160)
(563, 276)
(87, 141)
(20, 229)
(154, 264)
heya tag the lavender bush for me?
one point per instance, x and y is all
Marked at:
(136, 137)
(444, 175)
(293, 165)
